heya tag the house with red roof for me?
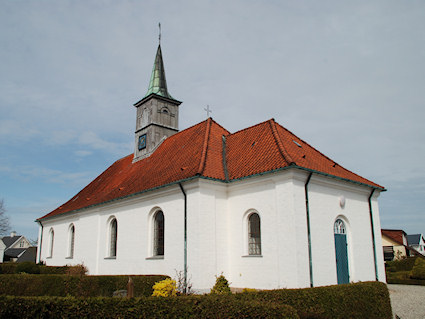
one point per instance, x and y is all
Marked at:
(396, 246)
(261, 206)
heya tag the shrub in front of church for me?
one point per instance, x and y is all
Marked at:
(206, 306)
(165, 288)
(78, 286)
(8, 268)
(77, 270)
(358, 300)
(418, 271)
(28, 268)
(221, 286)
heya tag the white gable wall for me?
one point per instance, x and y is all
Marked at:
(217, 232)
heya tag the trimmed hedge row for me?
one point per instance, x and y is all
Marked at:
(77, 286)
(358, 300)
(13, 268)
(402, 264)
(206, 306)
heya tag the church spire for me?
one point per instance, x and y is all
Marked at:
(158, 83)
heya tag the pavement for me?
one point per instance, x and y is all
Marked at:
(407, 301)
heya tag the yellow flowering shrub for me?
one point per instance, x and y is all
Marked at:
(165, 288)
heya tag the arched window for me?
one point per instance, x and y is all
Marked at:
(254, 234)
(158, 241)
(51, 241)
(113, 233)
(71, 237)
(339, 227)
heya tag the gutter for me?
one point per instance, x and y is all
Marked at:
(217, 180)
(307, 208)
(41, 241)
(185, 241)
(373, 233)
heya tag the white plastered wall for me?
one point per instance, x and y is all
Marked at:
(217, 239)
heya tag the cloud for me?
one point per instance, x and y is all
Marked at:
(93, 141)
(82, 153)
(46, 175)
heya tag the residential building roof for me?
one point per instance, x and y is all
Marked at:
(414, 239)
(394, 234)
(207, 150)
(14, 252)
(10, 240)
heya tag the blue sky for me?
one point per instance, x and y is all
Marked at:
(347, 77)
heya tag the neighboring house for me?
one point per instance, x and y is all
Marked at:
(261, 206)
(18, 249)
(417, 242)
(395, 245)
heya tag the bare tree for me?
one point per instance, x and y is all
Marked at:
(4, 220)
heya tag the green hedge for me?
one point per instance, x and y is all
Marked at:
(206, 306)
(13, 268)
(358, 300)
(78, 286)
(402, 264)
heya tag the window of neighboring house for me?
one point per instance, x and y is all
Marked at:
(21, 244)
(113, 234)
(51, 242)
(158, 243)
(71, 238)
(254, 234)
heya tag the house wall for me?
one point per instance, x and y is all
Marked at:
(399, 250)
(217, 232)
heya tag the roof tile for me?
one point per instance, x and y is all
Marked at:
(198, 151)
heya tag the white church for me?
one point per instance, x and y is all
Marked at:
(260, 206)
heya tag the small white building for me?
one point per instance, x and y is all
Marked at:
(261, 206)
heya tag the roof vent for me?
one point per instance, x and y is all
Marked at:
(296, 143)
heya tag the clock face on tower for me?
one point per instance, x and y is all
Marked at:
(142, 142)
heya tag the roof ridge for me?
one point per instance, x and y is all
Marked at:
(279, 143)
(228, 132)
(204, 147)
(290, 132)
(250, 127)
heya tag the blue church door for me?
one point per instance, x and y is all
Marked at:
(341, 252)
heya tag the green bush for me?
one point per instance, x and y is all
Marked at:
(78, 286)
(359, 300)
(418, 271)
(206, 306)
(27, 267)
(401, 265)
(221, 286)
(10, 268)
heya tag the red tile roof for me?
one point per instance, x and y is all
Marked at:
(394, 234)
(198, 152)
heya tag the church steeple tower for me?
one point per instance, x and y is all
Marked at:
(157, 113)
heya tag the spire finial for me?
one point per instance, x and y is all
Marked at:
(159, 37)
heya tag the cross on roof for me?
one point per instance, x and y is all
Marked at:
(208, 110)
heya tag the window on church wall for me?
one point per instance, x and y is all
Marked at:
(254, 234)
(158, 242)
(339, 227)
(113, 234)
(71, 239)
(51, 242)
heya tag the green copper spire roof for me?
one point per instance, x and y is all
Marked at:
(158, 83)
